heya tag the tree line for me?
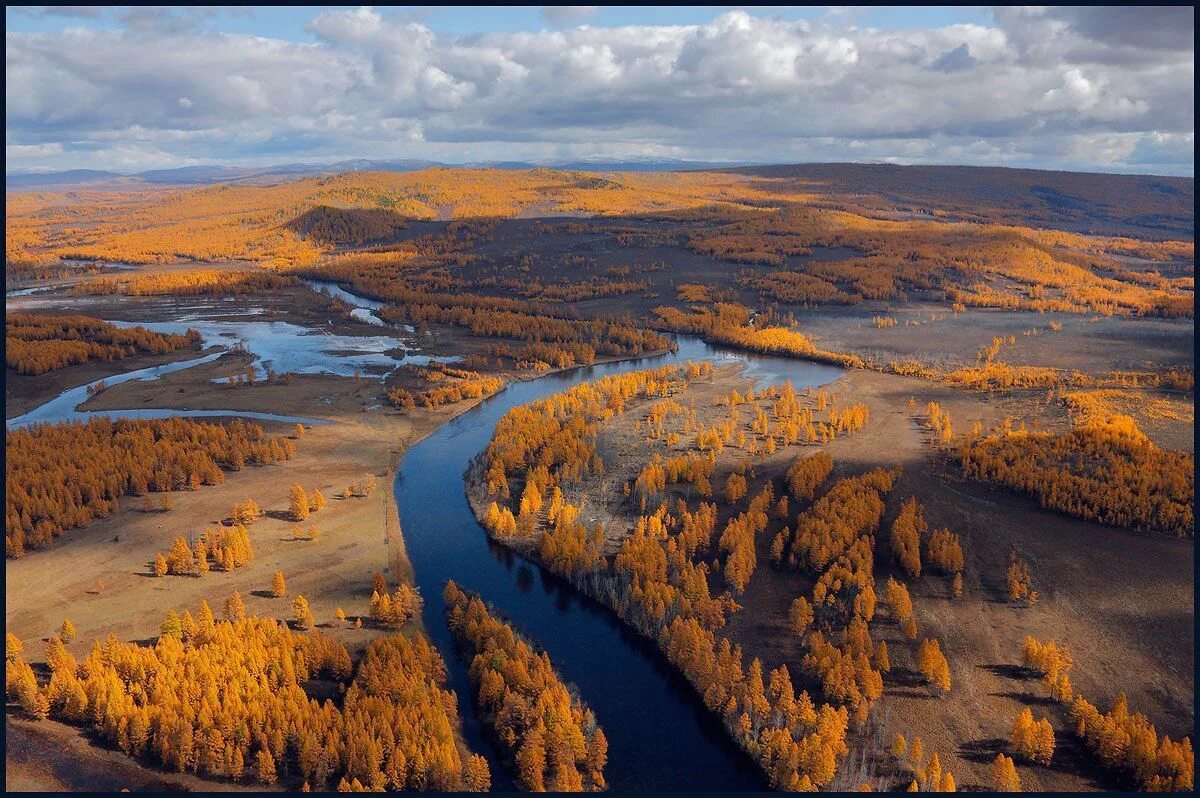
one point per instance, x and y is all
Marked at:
(47, 493)
(35, 343)
(548, 733)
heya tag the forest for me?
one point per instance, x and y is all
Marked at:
(659, 578)
(227, 699)
(1105, 469)
(37, 343)
(47, 494)
(547, 731)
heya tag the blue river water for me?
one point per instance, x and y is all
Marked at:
(660, 735)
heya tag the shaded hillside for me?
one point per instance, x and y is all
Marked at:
(347, 226)
(1104, 204)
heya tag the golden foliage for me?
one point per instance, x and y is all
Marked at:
(450, 385)
(1004, 774)
(807, 474)
(944, 552)
(226, 700)
(46, 494)
(1032, 740)
(1103, 470)
(907, 529)
(210, 282)
(543, 726)
(932, 664)
(35, 343)
(1127, 743)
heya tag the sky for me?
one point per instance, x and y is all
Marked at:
(1099, 89)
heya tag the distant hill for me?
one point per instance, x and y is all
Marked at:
(208, 175)
(631, 164)
(70, 177)
(185, 175)
(1143, 206)
(1082, 202)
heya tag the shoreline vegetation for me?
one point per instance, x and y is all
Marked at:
(550, 737)
(551, 443)
(795, 742)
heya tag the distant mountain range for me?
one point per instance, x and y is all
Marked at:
(207, 175)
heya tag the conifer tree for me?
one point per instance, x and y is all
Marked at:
(171, 625)
(298, 503)
(301, 613)
(1004, 774)
(235, 608)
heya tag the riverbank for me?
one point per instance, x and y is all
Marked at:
(1107, 609)
(96, 581)
(98, 575)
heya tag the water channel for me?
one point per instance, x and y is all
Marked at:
(660, 735)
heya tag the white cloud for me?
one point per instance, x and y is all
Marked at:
(567, 16)
(1041, 87)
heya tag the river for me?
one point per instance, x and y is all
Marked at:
(65, 406)
(660, 735)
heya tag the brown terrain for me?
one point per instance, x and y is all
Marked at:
(1122, 601)
(1118, 599)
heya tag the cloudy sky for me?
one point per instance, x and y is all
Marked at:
(1104, 89)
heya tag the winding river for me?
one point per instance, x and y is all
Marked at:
(660, 735)
(65, 406)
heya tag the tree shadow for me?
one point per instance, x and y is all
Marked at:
(267, 594)
(983, 751)
(1029, 699)
(1009, 671)
(904, 677)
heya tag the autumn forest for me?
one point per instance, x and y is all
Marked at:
(816, 477)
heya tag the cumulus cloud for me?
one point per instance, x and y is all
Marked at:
(1062, 88)
(567, 16)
